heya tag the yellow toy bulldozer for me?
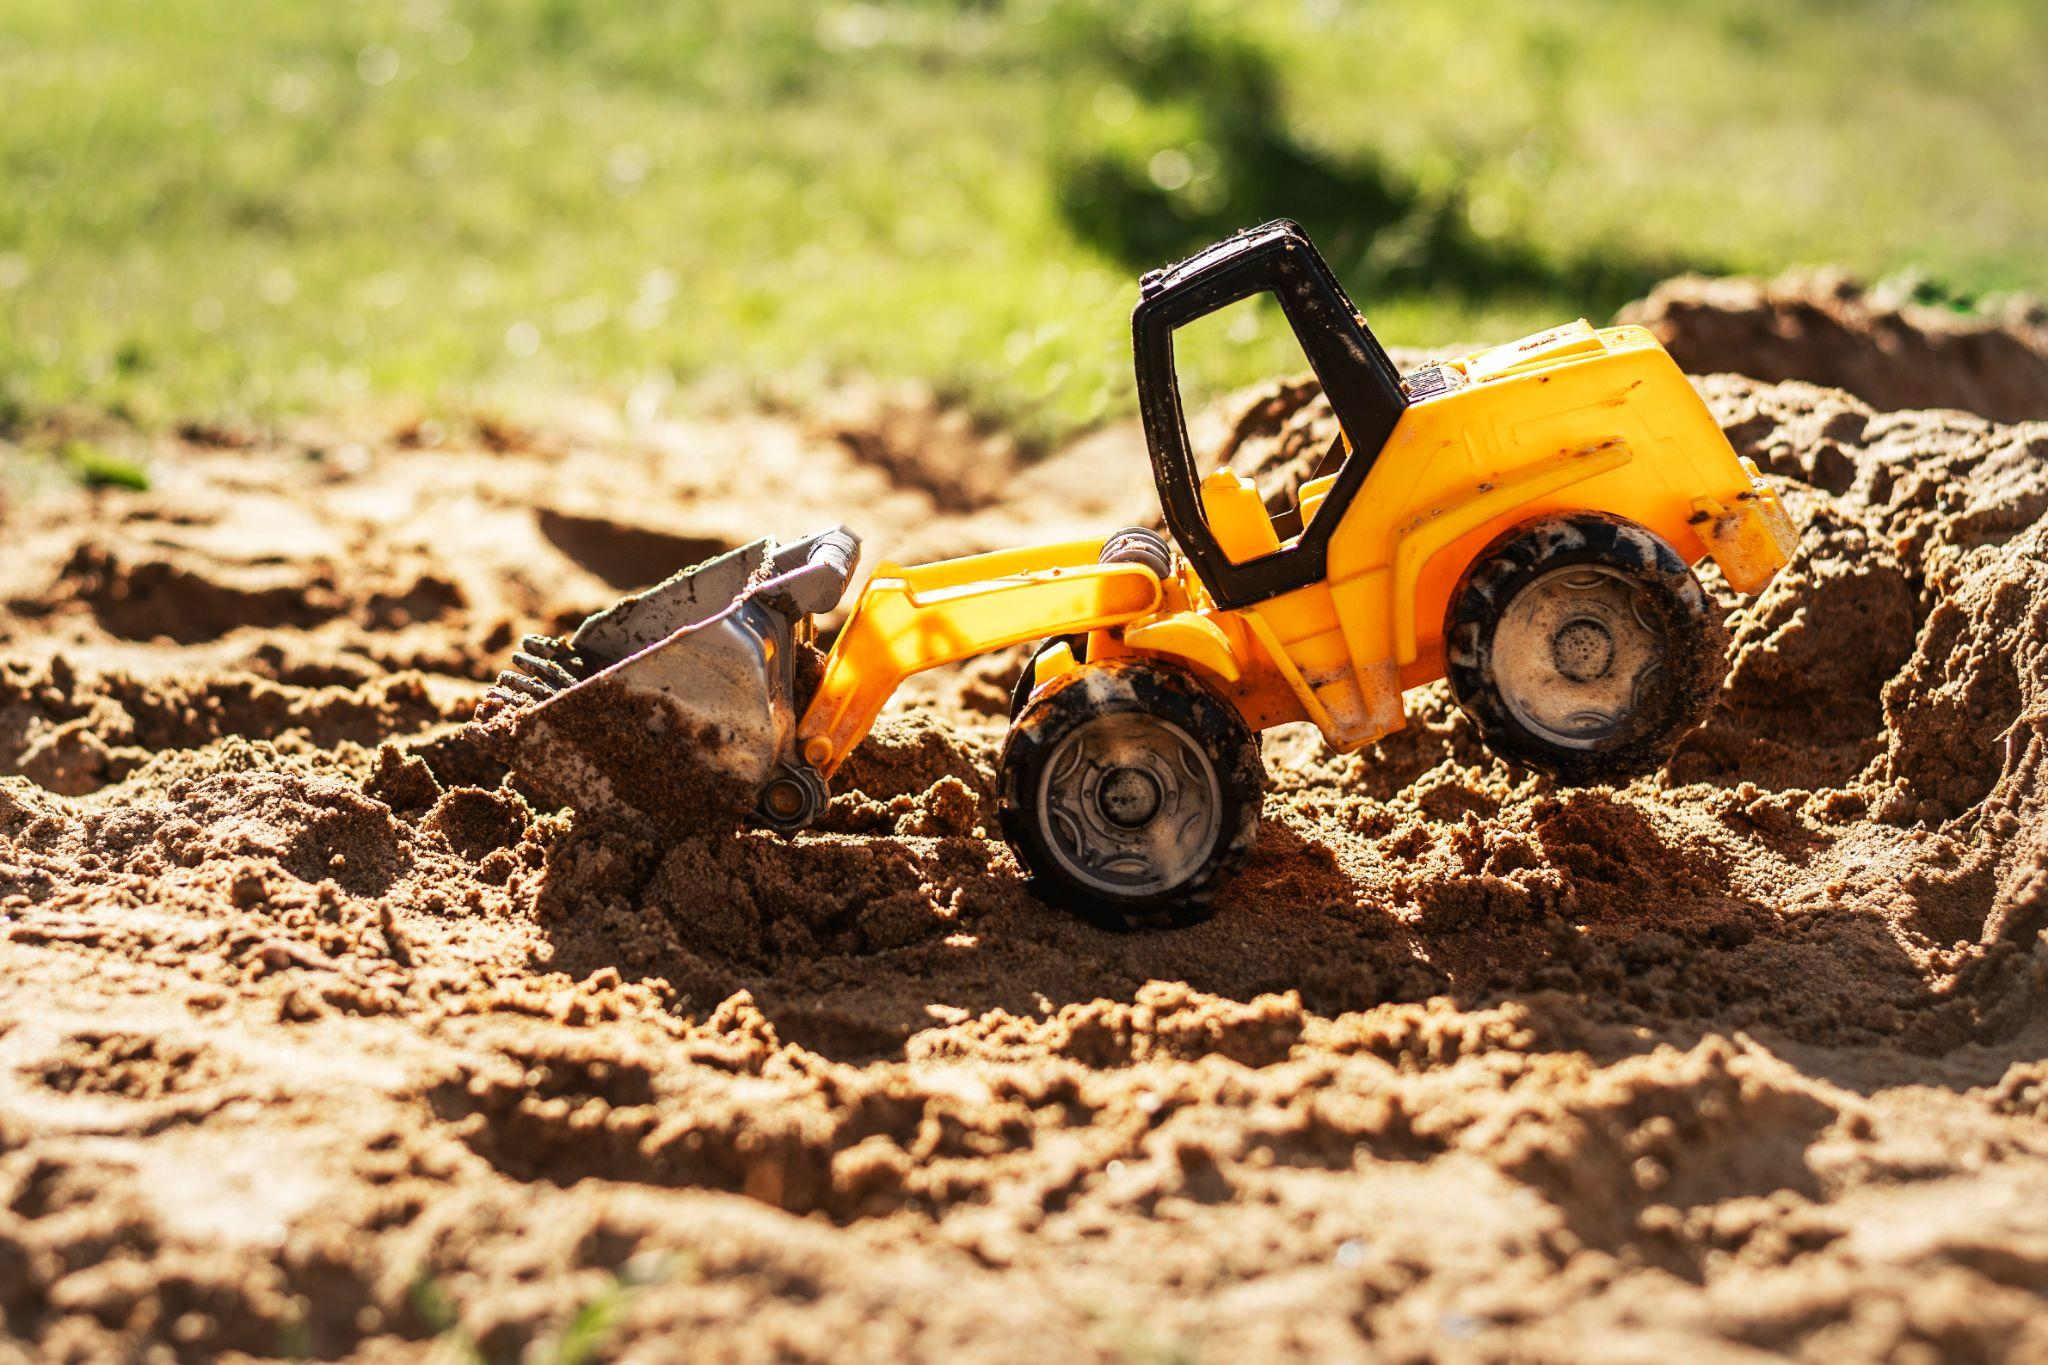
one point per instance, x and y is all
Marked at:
(1521, 520)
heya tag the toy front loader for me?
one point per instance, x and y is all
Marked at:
(1522, 520)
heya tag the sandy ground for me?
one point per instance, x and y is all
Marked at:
(317, 1037)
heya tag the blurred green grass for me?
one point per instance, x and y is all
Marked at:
(217, 210)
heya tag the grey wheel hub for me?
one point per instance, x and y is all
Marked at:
(1129, 797)
(1579, 654)
(1129, 804)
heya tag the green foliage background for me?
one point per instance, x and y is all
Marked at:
(215, 209)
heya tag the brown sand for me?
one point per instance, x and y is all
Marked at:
(318, 1036)
(1824, 327)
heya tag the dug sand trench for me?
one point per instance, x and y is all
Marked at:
(317, 1035)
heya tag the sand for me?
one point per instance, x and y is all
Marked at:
(1824, 327)
(319, 1036)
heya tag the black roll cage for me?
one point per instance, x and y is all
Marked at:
(1362, 384)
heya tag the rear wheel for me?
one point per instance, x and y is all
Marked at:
(1581, 645)
(1130, 790)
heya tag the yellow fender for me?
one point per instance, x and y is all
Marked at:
(1191, 637)
(1435, 530)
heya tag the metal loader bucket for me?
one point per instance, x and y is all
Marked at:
(674, 707)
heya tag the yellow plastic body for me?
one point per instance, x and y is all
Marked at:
(1572, 419)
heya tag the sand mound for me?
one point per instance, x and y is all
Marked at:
(318, 1035)
(1824, 328)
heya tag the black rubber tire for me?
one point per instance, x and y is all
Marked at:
(1137, 703)
(1667, 605)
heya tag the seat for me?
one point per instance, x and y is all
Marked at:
(1237, 516)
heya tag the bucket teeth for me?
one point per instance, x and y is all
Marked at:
(511, 680)
(496, 697)
(544, 670)
(543, 667)
(550, 648)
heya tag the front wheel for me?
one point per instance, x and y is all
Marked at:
(1129, 790)
(1581, 645)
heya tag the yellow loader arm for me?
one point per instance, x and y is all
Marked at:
(911, 619)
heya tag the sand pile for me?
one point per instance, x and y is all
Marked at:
(319, 1035)
(1825, 328)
